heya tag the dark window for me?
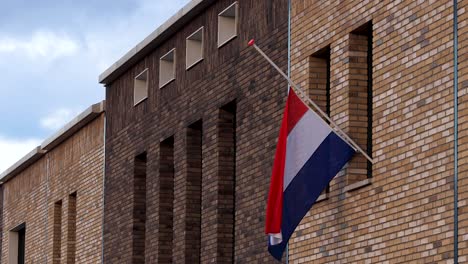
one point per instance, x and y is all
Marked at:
(57, 232)
(21, 244)
(71, 239)
(319, 79)
(360, 99)
(139, 208)
(319, 83)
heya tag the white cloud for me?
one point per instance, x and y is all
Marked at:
(14, 149)
(63, 60)
(58, 119)
(41, 45)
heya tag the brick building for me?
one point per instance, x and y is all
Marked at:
(53, 197)
(192, 118)
(191, 124)
(384, 70)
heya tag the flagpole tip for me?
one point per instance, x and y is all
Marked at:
(251, 42)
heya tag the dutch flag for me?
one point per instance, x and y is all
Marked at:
(308, 155)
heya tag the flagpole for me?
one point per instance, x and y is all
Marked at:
(334, 126)
(289, 75)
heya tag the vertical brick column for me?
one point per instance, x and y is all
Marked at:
(209, 189)
(166, 200)
(227, 181)
(194, 194)
(218, 200)
(187, 195)
(71, 229)
(180, 198)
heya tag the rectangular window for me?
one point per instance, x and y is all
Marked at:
(57, 233)
(17, 245)
(360, 100)
(139, 208)
(71, 229)
(194, 192)
(319, 79)
(21, 245)
(319, 87)
(227, 181)
(166, 200)
(227, 24)
(140, 87)
(194, 48)
(167, 68)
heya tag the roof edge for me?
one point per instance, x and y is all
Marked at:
(168, 28)
(74, 125)
(68, 130)
(22, 164)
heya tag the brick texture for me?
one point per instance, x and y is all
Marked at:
(42, 197)
(406, 214)
(231, 73)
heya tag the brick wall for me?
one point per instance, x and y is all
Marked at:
(232, 73)
(59, 198)
(463, 128)
(404, 214)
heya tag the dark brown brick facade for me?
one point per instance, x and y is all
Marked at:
(233, 94)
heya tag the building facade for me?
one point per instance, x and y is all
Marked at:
(384, 71)
(53, 197)
(192, 119)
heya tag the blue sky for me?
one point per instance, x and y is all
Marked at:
(51, 53)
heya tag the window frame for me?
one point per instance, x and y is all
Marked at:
(236, 23)
(173, 77)
(16, 249)
(195, 62)
(135, 80)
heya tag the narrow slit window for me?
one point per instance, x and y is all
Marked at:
(17, 244)
(57, 233)
(319, 79)
(227, 24)
(167, 68)
(360, 100)
(71, 226)
(194, 48)
(139, 208)
(319, 87)
(140, 87)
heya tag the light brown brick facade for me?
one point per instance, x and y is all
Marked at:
(405, 214)
(58, 197)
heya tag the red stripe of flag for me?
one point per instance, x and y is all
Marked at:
(296, 110)
(293, 112)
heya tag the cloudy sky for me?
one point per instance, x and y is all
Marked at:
(51, 53)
